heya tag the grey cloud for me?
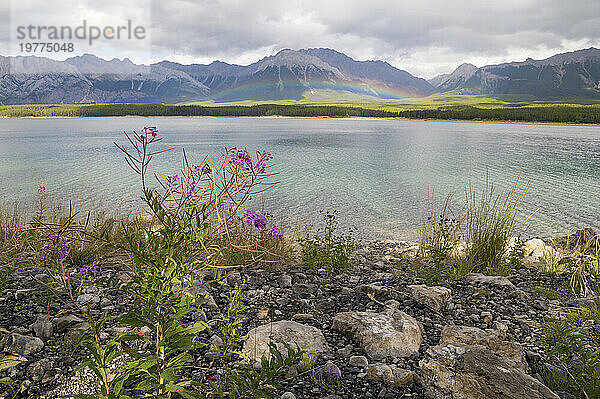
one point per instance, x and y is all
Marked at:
(444, 33)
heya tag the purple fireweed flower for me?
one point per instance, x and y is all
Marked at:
(93, 269)
(255, 219)
(172, 179)
(42, 189)
(233, 208)
(64, 250)
(206, 170)
(275, 233)
(152, 130)
(18, 227)
(260, 167)
(54, 248)
(192, 188)
(241, 158)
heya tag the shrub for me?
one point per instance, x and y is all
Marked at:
(327, 249)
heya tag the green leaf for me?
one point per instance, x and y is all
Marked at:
(132, 320)
(169, 375)
(185, 393)
(146, 385)
(195, 328)
(10, 361)
(6, 381)
(180, 360)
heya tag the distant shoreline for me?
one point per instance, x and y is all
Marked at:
(503, 122)
(538, 114)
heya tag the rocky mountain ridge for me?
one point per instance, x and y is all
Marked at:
(287, 75)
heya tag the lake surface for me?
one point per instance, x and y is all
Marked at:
(375, 173)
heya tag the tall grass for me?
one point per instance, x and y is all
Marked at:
(440, 229)
(489, 223)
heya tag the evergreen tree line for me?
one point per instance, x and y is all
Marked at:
(529, 113)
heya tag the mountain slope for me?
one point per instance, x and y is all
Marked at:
(290, 75)
(313, 74)
(562, 76)
(379, 74)
(451, 81)
(89, 79)
(117, 80)
(26, 80)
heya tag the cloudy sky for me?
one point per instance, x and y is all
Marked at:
(424, 37)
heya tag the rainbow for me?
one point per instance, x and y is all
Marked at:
(247, 91)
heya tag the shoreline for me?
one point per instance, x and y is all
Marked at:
(491, 121)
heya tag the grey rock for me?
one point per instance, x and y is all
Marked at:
(88, 300)
(307, 338)
(460, 371)
(23, 345)
(43, 328)
(288, 395)
(345, 351)
(495, 340)
(203, 297)
(284, 281)
(390, 333)
(496, 281)
(215, 343)
(358, 361)
(434, 298)
(390, 374)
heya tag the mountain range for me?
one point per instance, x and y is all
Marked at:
(287, 75)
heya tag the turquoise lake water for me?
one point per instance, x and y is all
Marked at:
(375, 173)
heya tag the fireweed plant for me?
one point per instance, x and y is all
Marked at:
(194, 221)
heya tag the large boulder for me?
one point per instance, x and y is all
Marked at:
(434, 298)
(535, 249)
(495, 340)
(461, 371)
(390, 333)
(307, 338)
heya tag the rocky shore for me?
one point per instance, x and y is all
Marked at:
(378, 330)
